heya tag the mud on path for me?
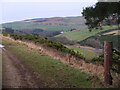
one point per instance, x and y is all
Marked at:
(16, 74)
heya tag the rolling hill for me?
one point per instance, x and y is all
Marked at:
(48, 24)
(95, 38)
(83, 34)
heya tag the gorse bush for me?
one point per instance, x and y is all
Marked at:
(63, 40)
(47, 42)
(115, 61)
(93, 43)
(5, 34)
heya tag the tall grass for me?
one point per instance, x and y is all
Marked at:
(52, 72)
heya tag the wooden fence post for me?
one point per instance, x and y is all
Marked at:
(107, 62)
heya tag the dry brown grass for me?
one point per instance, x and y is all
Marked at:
(65, 58)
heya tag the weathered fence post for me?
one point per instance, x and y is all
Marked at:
(107, 62)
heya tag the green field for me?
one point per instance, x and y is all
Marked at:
(73, 19)
(86, 53)
(78, 24)
(115, 39)
(112, 35)
(51, 71)
(31, 25)
(83, 34)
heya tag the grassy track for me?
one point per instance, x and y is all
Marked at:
(83, 34)
(52, 72)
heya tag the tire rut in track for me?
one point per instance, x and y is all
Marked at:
(16, 74)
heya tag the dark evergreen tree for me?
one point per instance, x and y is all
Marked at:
(102, 13)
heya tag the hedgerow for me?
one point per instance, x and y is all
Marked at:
(47, 42)
(115, 61)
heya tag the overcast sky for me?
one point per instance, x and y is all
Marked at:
(25, 9)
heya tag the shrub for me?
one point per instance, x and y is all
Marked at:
(46, 42)
(115, 61)
(94, 43)
(5, 34)
(63, 40)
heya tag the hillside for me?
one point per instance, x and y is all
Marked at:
(50, 73)
(95, 38)
(98, 39)
(49, 24)
(52, 61)
(83, 34)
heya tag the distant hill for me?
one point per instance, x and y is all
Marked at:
(79, 35)
(48, 24)
(95, 38)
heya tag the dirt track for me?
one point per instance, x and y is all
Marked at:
(16, 74)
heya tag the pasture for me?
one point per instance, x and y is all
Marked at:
(83, 34)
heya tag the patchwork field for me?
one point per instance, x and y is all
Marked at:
(116, 32)
(52, 24)
(112, 35)
(83, 34)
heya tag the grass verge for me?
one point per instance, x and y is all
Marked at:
(52, 72)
